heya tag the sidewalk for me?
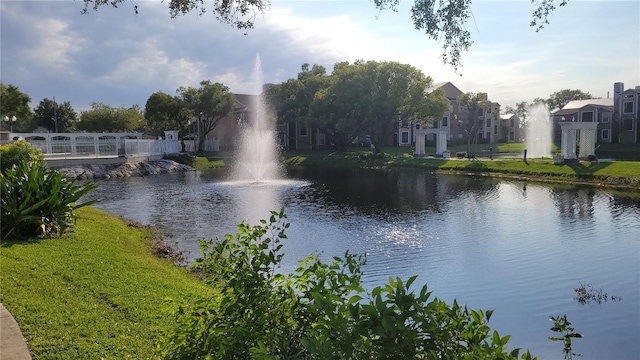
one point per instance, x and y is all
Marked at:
(12, 344)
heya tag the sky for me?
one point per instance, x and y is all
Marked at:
(114, 56)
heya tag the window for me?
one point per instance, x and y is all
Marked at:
(495, 130)
(512, 122)
(627, 108)
(627, 124)
(404, 137)
(606, 117)
(488, 123)
(445, 122)
(304, 131)
(487, 136)
(321, 140)
(511, 136)
(459, 136)
(605, 134)
(587, 116)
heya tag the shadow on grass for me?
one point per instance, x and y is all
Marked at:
(587, 171)
(476, 166)
(7, 243)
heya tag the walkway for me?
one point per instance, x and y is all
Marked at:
(13, 346)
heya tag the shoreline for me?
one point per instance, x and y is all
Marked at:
(137, 169)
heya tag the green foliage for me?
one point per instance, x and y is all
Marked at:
(165, 112)
(563, 327)
(13, 102)
(14, 153)
(53, 116)
(210, 103)
(320, 311)
(559, 99)
(37, 201)
(105, 118)
(96, 293)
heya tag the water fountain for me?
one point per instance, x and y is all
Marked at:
(539, 128)
(257, 156)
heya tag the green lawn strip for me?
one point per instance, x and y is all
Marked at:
(203, 163)
(609, 173)
(96, 293)
(199, 162)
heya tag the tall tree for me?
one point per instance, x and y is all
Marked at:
(209, 104)
(105, 118)
(474, 104)
(439, 19)
(521, 110)
(367, 97)
(293, 98)
(559, 99)
(54, 116)
(165, 112)
(13, 102)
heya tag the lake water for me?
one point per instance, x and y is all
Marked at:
(514, 247)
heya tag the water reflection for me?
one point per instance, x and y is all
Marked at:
(491, 244)
(574, 203)
(388, 192)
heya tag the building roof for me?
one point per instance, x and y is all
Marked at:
(450, 90)
(507, 116)
(245, 102)
(578, 104)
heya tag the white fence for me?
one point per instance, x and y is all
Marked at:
(100, 144)
(209, 145)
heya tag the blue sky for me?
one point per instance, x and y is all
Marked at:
(48, 48)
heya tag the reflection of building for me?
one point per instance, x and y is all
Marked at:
(618, 117)
(574, 204)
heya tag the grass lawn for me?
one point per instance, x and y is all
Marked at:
(617, 173)
(198, 162)
(96, 293)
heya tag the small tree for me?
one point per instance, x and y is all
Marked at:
(319, 312)
(209, 104)
(13, 102)
(53, 116)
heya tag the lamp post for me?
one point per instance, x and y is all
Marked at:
(11, 120)
(55, 121)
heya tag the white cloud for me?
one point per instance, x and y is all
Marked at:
(151, 65)
(55, 45)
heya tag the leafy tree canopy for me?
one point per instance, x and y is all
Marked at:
(165, 112)
(54, 116)
(209, 104)
(371, 96)
(441, 20)
(13, 102)
(104, 118)
(559, 99)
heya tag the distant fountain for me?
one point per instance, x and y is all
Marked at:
(539, 129)
(257, 157)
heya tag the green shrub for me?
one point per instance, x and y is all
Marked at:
(12, 154)
(38, 202)
(320, 311)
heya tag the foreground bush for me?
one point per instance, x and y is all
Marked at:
(13, 154)
(319, 312)
(38, 202)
